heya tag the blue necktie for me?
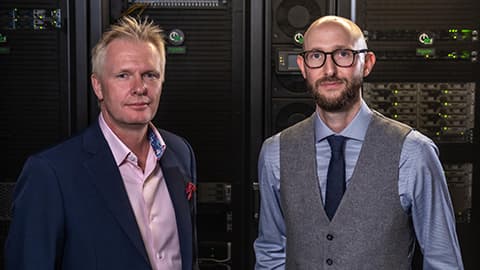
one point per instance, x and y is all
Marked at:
(335, 176)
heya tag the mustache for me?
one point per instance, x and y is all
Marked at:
(328, 79)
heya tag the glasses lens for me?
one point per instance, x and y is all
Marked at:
(315, 58)
(343, 57)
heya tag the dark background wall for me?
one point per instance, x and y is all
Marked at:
(232, 81)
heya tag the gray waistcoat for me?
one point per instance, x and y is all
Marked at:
(370, 230)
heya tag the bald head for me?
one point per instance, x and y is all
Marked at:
(350, 28)
(339, 60)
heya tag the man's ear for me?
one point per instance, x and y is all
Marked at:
(97, 86)
(300, 65)
(370, 60)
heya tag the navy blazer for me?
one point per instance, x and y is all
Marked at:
(71, 209)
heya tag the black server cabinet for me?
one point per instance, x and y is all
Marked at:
(35, 108)
(427, 76)
(286, 99)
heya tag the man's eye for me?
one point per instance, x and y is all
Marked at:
(152, 75)
(344, 53)
(122, 75)
(316, 55)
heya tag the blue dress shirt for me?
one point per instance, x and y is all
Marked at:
(422, 188)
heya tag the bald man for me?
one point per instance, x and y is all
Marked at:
(348, 188)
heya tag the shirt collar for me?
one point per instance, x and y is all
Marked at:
(156, 141)
(355, 130)
(120, 151)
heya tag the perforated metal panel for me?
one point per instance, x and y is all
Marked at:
(200, 97)
(34, 108)
(34, 104)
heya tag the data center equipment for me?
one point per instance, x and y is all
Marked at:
(35, 105)
(443, 111)
(287, 99)
(426, 75)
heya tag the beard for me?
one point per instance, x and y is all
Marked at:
(349, 95)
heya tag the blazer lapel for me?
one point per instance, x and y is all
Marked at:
(108, 181)
(176, 183)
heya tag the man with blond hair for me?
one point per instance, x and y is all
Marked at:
(120, 195)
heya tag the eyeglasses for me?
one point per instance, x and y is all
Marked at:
(341, 57)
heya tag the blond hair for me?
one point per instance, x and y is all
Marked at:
(130, 28)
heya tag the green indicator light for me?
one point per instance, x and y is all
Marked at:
(466, 31)
(4, 50)
(426, 52)
(300, 40)
(176, 37)
(437, 133)
(3, 39)
(395, 104)
(445, 104)
(395, 116)
(176, 50)
(452, 55)
(395, 91)
(445, 128)
(445, 91)
(445, 116)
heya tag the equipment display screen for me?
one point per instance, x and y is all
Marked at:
(292, 61)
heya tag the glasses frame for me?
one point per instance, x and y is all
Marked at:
(354, 52)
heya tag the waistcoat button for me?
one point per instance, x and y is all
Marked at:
(329, 261)
(329, 237)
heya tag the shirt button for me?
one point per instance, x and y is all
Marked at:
(329, 261)
(159, 255)
(329, 237)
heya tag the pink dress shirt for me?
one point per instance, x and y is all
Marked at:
(150, 200)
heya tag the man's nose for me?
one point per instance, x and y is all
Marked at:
(329, 68)
(139, 86)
